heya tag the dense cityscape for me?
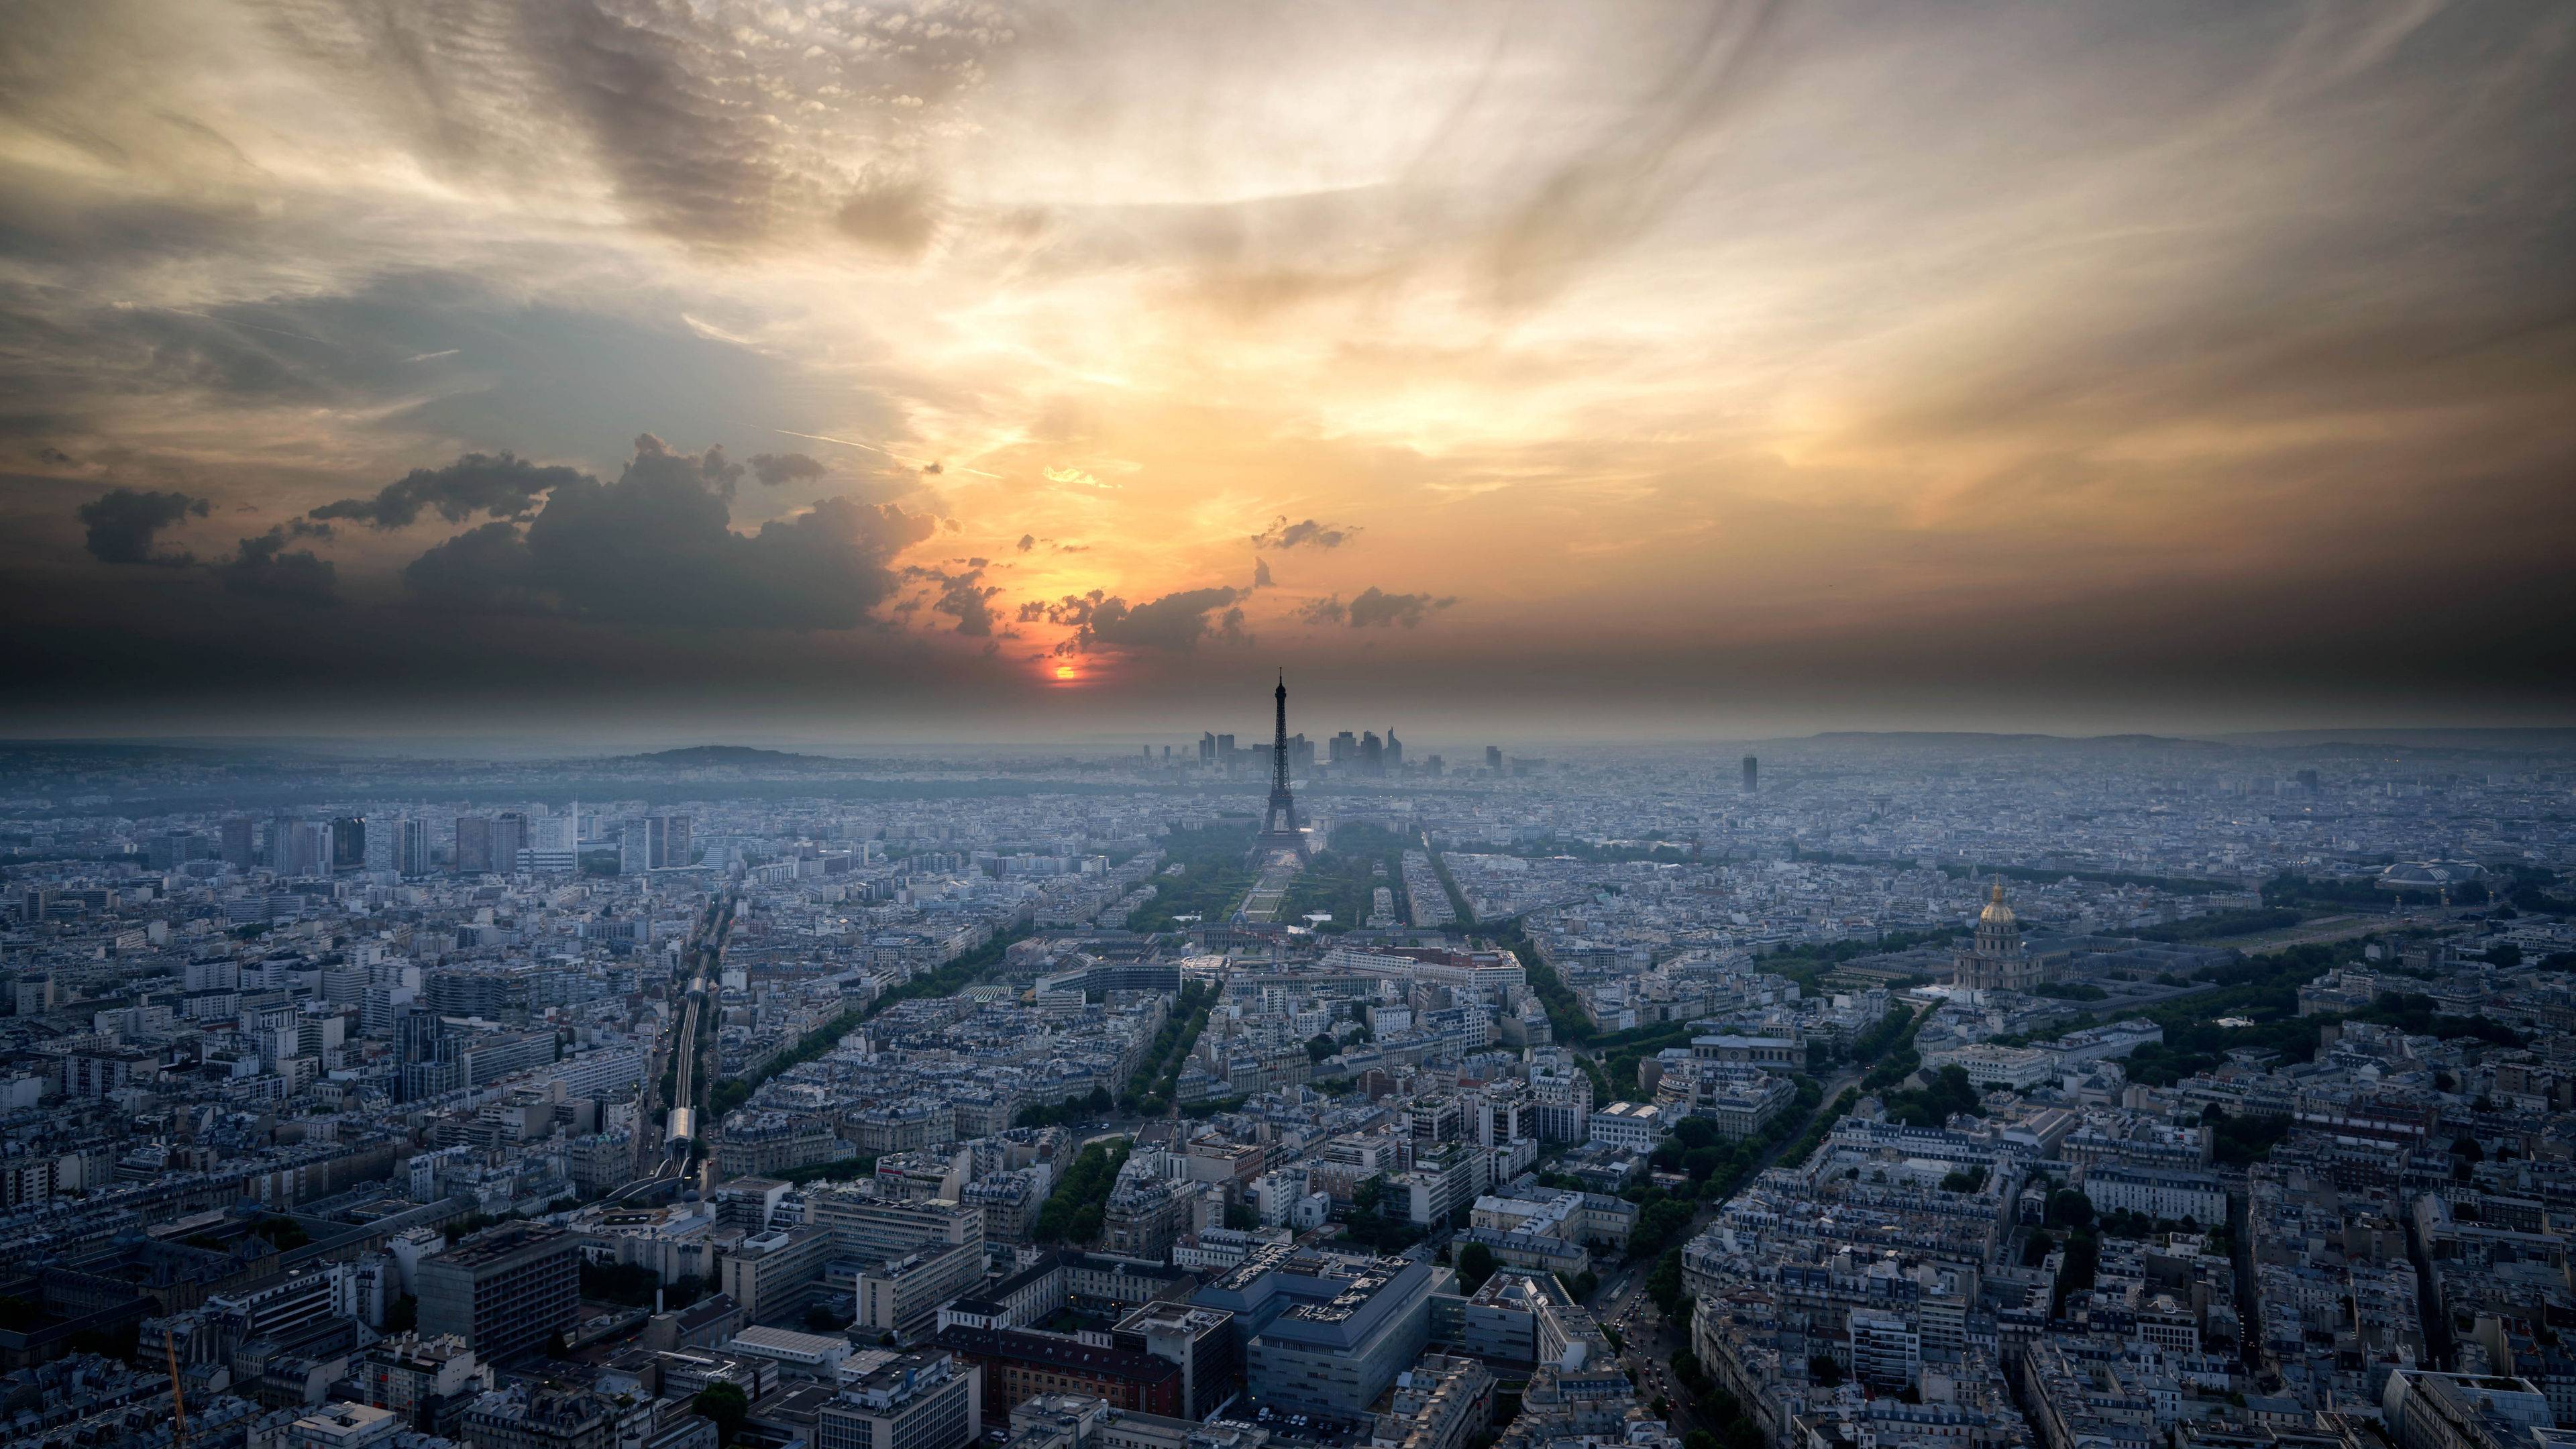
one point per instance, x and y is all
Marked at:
(1112, 724)
(1861, 1090)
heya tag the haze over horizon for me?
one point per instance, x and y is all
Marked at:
(999, 372)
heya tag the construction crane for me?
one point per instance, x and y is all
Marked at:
(178, 1401)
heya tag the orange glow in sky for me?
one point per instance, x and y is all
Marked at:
(1716, 350)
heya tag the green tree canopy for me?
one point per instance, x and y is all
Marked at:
(728, 1406)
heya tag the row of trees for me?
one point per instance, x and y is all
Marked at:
(1066, 1112)
(1729, 1428)
(1073, 1211)
(733, 1092)
(1158, 1076)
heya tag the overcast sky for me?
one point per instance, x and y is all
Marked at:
(1011, 368)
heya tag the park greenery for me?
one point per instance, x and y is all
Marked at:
(1074, 1210)
(848, 1169)
(1378, 1224)
(1216, 875)
(1932, 1105)
(633, 1286)
(1342, 878)
(728, 1406)
(2218, 925)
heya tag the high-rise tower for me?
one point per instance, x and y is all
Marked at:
(1279, 823)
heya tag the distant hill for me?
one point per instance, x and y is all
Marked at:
(745, 755)
(1970, 739)
(2538, 740)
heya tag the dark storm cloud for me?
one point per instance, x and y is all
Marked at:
(1309, 534)
(776, 468)
(503, 486)
(123, 524)
(1261, 573)
(654, 548)
(1173, 624)
(263, 569)
(483, 569)
(966, 598)
(1376, 607)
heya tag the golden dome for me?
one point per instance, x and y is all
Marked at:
(1996, 912)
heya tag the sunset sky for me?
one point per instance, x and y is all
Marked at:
(1010, 369)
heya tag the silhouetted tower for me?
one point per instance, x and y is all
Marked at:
(1752, 774)
(1279, 822)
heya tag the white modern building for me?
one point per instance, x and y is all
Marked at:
(1638, 1125)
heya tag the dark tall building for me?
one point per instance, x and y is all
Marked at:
(510, 835)
(1394, 752)
(473, 844)
(349, 843)
(241, 842)
(671, 847)
(424, 1067)
(1494, 758)
(1279, 822)
(1752, 773)
(1372, 754)
(505, 1290)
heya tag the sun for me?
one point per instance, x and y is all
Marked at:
(1064, 671)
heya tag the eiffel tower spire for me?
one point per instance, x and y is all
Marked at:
(1279, 822)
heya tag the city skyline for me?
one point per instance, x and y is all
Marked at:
(1000, 372)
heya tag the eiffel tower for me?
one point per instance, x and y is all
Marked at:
(1279, 822)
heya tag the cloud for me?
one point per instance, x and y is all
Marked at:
(503, 485)
(484, 569)
(1028, 541)
(776, 468)
(1377, 607)
(964, 597)
(1261, 573)
(1323, 611)
(263, 569)
(655, 548)
(1174, 623)
(1283, 534)
(123, 524)
(897, 217)
(55, 456)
